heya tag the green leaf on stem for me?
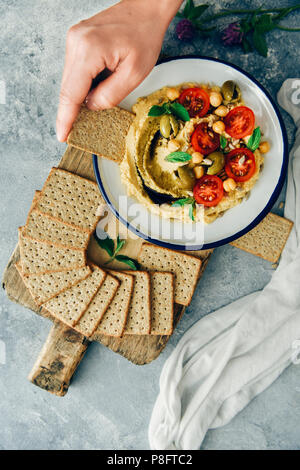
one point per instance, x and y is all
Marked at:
(247, 46)
(120, 244)
(106, 243)
(132, 263)
(189, 6)
(260, 43)
(264, 24)
(197, 11)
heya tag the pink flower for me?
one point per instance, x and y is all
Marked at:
(185, 30)
(232, 34)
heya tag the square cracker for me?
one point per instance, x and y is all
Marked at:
(162, 303)
(42, 257)
(44, 287)
(186, 269)
(101, 132)
(114, 319)
(267, 240)
(98, 306)
(44, 227)
(71, 199)
(139, 314)
(70, 305)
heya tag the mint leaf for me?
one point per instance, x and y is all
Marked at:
(179, 111)
(187, 200)
(170, 108)
(260, 43)
(132, 263)
(182, 202)
(107, 244)
(223, 142)
(167, 107)
(156, 111)
(253, 142)
(176, 157)
(191, 211)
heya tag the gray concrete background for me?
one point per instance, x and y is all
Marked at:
(110, 401)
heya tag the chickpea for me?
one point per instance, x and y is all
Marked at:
(173, 94)
(173, 145)
(264, 147)
(219, 127)
(222, 111)
(229, 185)
(197, 157)
(215, 99)
(198, 172)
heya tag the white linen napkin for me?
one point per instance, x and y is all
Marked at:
(233, 354)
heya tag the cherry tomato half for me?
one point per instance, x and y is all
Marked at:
(196, 101)
(208, 190)
(240, 164)
(239, 122)
(204, 139)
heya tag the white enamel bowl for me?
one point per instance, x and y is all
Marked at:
(236, 221)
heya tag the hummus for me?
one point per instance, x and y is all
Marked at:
(156, 182)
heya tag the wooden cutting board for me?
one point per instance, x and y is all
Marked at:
(65, 347)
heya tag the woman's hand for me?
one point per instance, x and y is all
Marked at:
(126, 39)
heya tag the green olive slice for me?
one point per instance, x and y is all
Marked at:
(231, 91)
(174, 125)
(228, 89)
(165, 126)
(186, 177)
(218, 162)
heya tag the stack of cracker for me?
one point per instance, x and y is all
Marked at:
(53, 246)
(53, 265)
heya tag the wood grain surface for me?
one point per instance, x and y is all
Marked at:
(137, 349)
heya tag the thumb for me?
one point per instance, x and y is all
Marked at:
(116, 87)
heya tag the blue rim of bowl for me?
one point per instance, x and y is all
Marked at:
(257, 219)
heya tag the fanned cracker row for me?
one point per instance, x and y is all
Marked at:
(70, 305)
(43, 227)
(139, 314)
(162, 303)
(267, 240)
(71, 199)
(186, 269)
(114, 319)
(42, 257)
(44, 287)
(98, 306)
(101, 132)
